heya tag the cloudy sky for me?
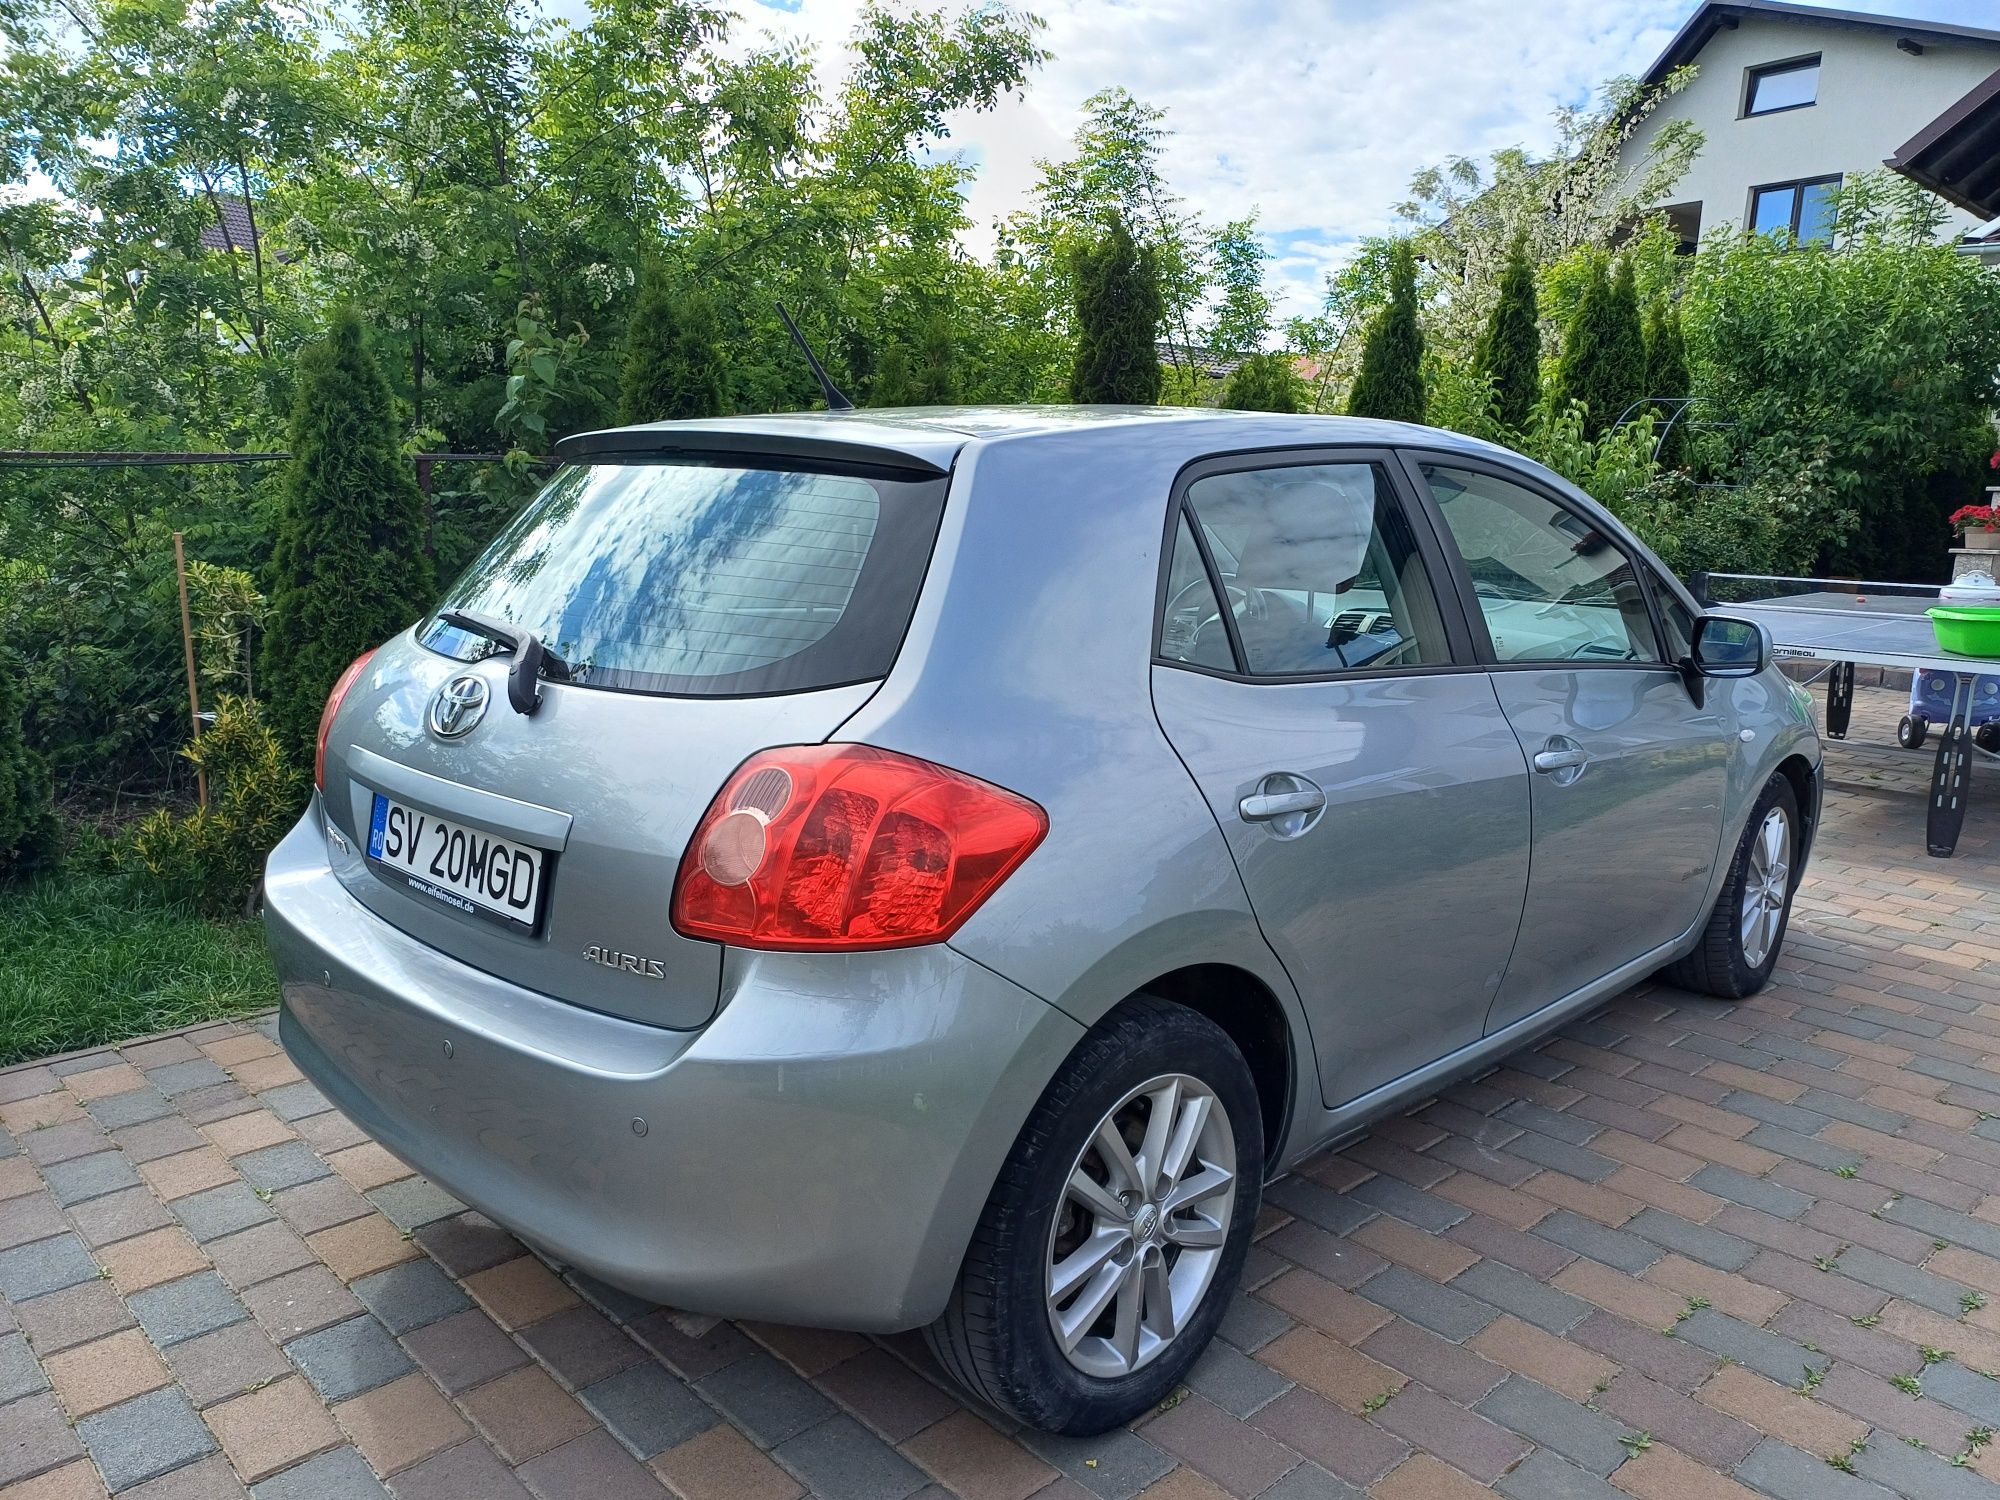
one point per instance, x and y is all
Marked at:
(1314, 112)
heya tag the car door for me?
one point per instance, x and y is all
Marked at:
(1629, 771)
(1353, 753)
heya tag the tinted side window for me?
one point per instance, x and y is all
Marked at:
(1550, 585)
(1192, 628)
(1678, 622)
(1321, 568)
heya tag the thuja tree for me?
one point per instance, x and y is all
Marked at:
(1510, 347)
(1391, 382)
(1668, 383)
(673, 355)
(1603, 363)
(27, 818)
(350, 567)
(1119, 306)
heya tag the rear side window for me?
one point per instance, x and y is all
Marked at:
(1191, 630)
(707, 578)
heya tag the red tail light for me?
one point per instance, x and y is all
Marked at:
(326, 715)
(818, 847)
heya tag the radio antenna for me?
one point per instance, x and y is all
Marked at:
(835, 400)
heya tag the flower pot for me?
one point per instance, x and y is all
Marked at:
(1983, 541)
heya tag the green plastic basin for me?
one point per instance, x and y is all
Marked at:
(1967, 629)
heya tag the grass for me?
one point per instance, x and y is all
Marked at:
(86, 960)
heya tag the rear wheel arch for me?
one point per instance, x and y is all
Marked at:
(1255, 1020)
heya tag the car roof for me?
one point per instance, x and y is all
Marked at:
(928, 438)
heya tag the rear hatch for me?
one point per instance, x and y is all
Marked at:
(700, 608)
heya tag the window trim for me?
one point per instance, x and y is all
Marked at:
(1798, 185)
(1459, 641)
(1757, 71)
(1415, 458)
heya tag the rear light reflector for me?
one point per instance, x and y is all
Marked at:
(333, 698)
(843, 847)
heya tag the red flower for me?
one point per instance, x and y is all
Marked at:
(1975, 518)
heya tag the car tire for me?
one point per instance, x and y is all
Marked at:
(1739, 947)
(998, 1336)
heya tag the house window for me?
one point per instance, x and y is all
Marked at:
(1781, 86)
(1804, 210)
(1684, 220)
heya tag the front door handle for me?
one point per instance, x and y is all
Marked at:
(1561, 758)
(1285, 802)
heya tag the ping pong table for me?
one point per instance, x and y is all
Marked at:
(1871, 624)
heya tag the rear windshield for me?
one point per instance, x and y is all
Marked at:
(699, 578)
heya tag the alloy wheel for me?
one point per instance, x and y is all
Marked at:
(1766, 884)
(1142, 1225)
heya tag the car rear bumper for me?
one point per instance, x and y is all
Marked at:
(818, 1154)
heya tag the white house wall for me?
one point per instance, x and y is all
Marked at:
(1872, 98)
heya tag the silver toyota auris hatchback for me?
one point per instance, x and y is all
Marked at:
(931, 868)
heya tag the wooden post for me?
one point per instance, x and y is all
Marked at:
(187, 647)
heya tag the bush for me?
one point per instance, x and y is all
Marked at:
(28, 832)
(673, 355)
(1264, 382)
(213, 859)
(1119, 306)
(350, 568)
(1391, 382)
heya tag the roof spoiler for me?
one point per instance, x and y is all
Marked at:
(925, 454)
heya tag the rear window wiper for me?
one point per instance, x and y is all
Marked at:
(532, 660)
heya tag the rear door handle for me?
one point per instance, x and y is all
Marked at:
(1263, 807)
(1285, 802)
(1562, 759)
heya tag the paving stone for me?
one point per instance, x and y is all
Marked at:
(1240, 1458)
(1234, 1382)
(1448, 1368)
(1561, 1156)
(257, 1254)
(208, 1478)
(722, 1464)
(31, 1216)
(468, 1243)
(349, 1358)
(1677, 1420)
(1427, 1304)
(341, 1474)
(58, 1143)
(414, 1202)
(464, 1351)
(158, 1138)
(225, 1363)
(580, 1345)
(1964, 1390)
(145, 1437)
(1310, 1482)
(180, 1078)
(1251, 1323)
(1613, 1247)
(401, 1423)
(468, 1472)
(592, 1465)
(1527, 1298)
(103, 1373)
(362, 1246)
(1411, 1205)
(295, 1101)
(218, 1101)
(285, 1165)
(272, 1428)
(1114, 1466)
(299, 1302)
(1696, 1241)
(43, 1266)
(1912, 1471)
(525, 1413)
(620, 1306)
(1900, 1280)
(220, 1211)
(186, 1309)
(765, 1399)
(1543, 1476)
(75, 1315)
(1319, 1205)
(1780, 1470)
(119, 1216)
(647, 1409)
(320, 1204)
(131, 1108)
(1460, 1437)
(409, 1296)
(1752, 1192)
(20, 1375)
(34, 1435)
(1585, 1437)
(842, 1460)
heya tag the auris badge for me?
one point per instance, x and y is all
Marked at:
(459, 705)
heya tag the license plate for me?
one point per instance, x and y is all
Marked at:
(464, 868)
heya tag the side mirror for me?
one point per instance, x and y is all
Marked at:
(1728, 647)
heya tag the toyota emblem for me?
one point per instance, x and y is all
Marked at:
(459, 705)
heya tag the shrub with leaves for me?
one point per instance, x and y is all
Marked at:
(1264, 382)
(213, 858)
(350, 568)
(28, 830)
(1119, 306)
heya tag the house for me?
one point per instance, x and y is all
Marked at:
(1957, 156)
(1792, 99)
(234, 229)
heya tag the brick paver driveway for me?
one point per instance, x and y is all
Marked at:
(1683, 1251)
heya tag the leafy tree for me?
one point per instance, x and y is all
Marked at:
(1667, 380)
(673, 355)
(1603, 362)
(1264, 382)
(1119, 305)
(28, 833)
(1510, 348)
(1391, 382)
(1242, 317)
(349, 569)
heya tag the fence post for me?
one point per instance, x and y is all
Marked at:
(187, 647)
